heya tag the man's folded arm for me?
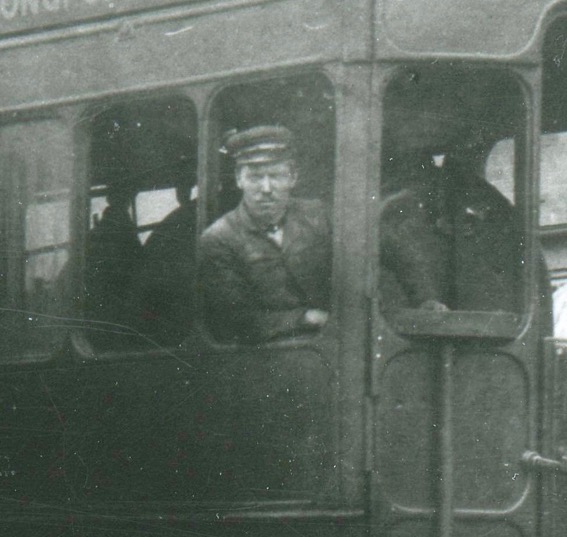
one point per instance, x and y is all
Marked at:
(233, 311)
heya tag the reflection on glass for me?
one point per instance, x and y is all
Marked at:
(153, 206)
(500, 168)
(47, 223)
(37, 162)
(553, 163)
(560, 311)
(43, 270)
(140, 249)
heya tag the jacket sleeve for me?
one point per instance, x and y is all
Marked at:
(413, 251)
(232, 311)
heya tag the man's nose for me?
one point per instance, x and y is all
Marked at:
(266, 184)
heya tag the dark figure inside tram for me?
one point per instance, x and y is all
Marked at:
(413, 246)
(166, 283)
(266, 265)
(449, 240)
(113, 254)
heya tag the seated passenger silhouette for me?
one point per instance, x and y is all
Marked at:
(113, 254)
(449, 239)
(414, 248)
(487, 237)
(166, 284)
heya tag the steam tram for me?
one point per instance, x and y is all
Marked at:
(121, 414)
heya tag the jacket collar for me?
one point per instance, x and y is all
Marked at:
(248, 222)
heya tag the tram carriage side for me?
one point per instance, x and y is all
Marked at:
(410, 413)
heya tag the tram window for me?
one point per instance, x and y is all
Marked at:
(552, 179)
(500, 168)
(46, 245)
(152, 207)
(554, 127)
(262, 286)
(553, 213)
(140, 247)
(553, 163)
(449, 240)
(37, 161)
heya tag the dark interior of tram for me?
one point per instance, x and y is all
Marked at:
(554, 105)
(449, 238)
(554, 152)
(142, 220)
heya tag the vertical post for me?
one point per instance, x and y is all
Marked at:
(446, 489)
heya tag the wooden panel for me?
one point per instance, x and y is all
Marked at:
(491, 430)
(28, 15)
(252, 429)
(155, 53)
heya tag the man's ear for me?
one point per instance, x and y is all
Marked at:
(293, 178)
(238, 175)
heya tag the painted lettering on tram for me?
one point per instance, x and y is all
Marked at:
(12, 9)
(24, 15)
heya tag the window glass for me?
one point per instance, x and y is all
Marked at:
(500, 168)
(266, 260)
(553, 166)
(140, 245)
(37, 163)
(152, 207)
(98, 205)
(553, 210)
(553, 162)
(450, 235)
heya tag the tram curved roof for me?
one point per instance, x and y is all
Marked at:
(467, 27)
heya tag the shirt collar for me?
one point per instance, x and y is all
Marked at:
(248, 222)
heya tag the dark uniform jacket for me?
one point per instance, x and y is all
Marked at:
(457, 241)
(113, 254)
(256, 290)
(413, 252)
(167, 280)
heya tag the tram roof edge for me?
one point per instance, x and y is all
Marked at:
(462, 28)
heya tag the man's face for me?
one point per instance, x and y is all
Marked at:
(266, 189)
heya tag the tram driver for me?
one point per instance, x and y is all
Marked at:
(265, 266)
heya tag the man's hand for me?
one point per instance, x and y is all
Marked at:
(433, 305)
(316, 318)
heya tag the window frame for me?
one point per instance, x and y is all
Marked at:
(21, 350)
(208, 185)
(190, 94)
(463, 324)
